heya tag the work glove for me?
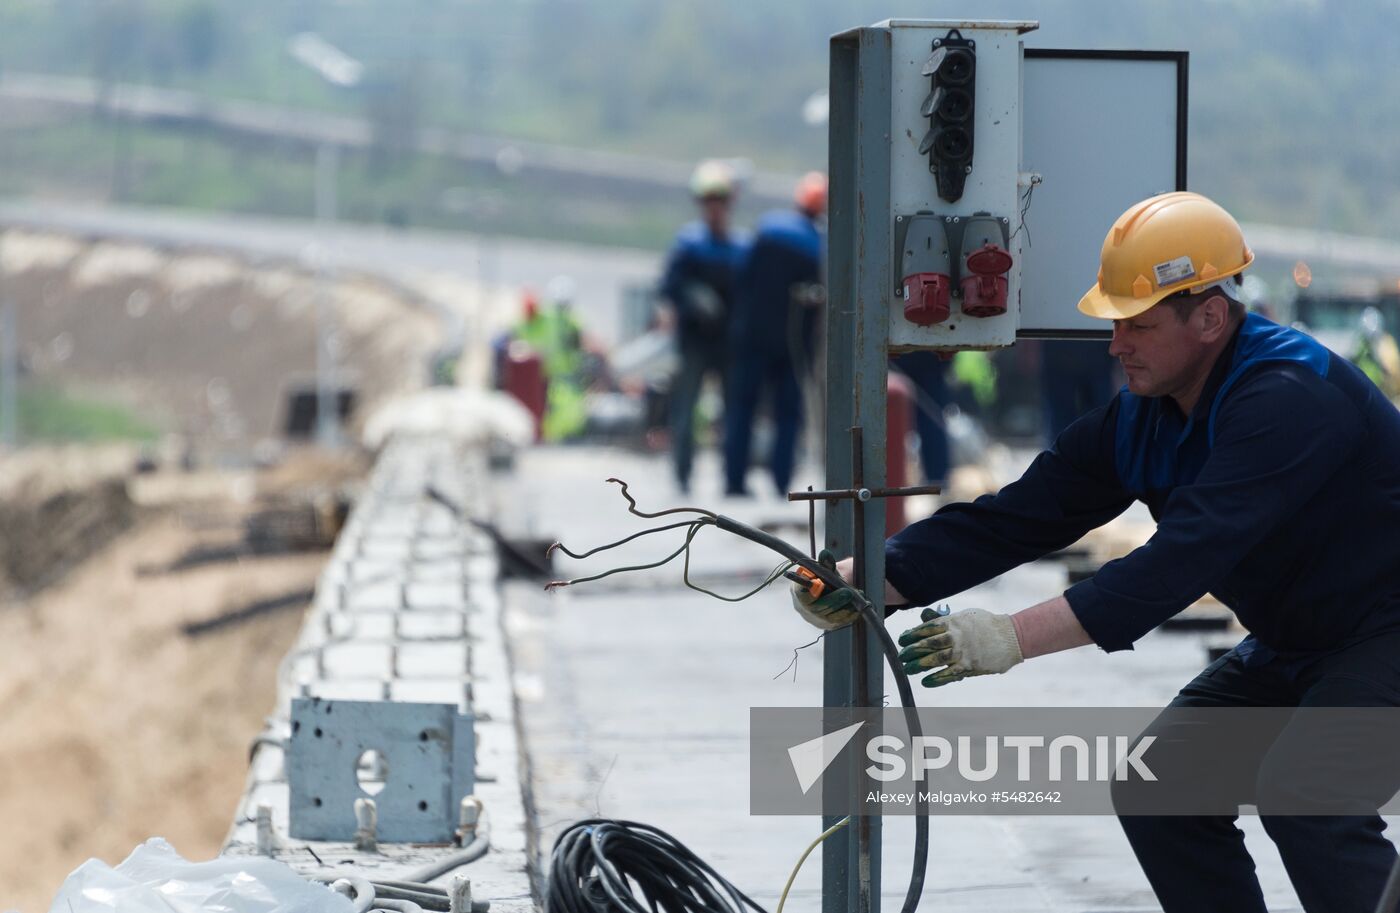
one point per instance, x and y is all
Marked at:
(971, 642)
(829, 610)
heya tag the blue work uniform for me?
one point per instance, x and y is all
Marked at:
(699, 282)
(1280, 495)
(771, 342)
(1075, 376)
(929, 375)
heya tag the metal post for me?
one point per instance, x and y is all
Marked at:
(865, 660)
(327, 398)
(857, 342)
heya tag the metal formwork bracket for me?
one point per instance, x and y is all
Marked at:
(426, 755)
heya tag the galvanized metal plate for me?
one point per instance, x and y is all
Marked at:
(429, 751)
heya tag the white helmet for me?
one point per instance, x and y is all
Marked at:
(712, 178)
(560, 290)
(1372, 323)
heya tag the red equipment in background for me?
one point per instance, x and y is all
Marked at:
(899, 416)
(522, 376)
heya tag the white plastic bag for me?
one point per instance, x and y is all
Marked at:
(156, 879)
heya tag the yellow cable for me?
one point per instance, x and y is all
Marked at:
(797, 868)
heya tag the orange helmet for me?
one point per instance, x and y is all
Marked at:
(810, 195)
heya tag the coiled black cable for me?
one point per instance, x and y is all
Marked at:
(606, 866)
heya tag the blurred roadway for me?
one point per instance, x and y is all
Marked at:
(450, 270)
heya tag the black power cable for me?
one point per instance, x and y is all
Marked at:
(901, 681)
(605, 866)
(833, 581)
(593, 894)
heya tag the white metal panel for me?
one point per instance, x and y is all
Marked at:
(1103, 134)
(991, 186)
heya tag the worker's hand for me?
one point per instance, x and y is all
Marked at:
(971, 642)
(830, 610)
(894, 599)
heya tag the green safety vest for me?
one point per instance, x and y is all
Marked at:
(554, 333)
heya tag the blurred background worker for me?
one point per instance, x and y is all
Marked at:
(1376, 353)
(517, 366)
(927, 371)
(1075, 376)
(965, 381)
(699, 285)
(500, 343)
(771, 339)
(554, 335)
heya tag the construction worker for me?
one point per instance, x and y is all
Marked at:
(771, 336)
(927, 371)
(1270, 466)
(699, 285)
(975, 379)
(554, 333)
(1376, 352)
(1075, 376)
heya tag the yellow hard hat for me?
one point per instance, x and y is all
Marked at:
(1160, 246)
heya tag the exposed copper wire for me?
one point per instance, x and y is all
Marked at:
(559, 546)
(632, 506)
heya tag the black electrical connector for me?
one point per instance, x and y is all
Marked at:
(950, 107)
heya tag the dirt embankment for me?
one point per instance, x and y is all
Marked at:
(118, 724)
(142, 618)
(51, 520)
(204, 344)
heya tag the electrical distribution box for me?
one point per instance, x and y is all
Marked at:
(954, 182)
(973, 178)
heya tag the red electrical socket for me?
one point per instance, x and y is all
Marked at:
(984, 291)
(926, 298)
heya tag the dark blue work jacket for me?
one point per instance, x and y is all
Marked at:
(786, 252)
(701, 266)
(1279, 494)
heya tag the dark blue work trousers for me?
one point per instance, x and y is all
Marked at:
(928, 373)
(752, 374)
(1076, 376)
(1336, 864)
(700, 358)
